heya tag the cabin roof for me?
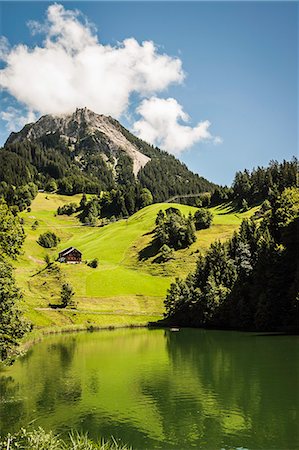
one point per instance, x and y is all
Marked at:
(68, 250)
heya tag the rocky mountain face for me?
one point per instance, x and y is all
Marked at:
(92, 153)
(83, 125)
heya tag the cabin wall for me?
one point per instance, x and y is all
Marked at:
(70, 258)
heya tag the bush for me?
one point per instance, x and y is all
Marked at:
(48, 240)
(35, 225)
(203, 219)
(93, 263)
(68, 209)
(51, 186)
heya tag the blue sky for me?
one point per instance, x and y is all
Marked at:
(240, 65)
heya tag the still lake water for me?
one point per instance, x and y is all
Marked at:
(160, 389)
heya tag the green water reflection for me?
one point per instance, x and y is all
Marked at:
(160, 389)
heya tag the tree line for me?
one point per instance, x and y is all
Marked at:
(252, 187)
(54, 165)
(250, 282)
(12, 325)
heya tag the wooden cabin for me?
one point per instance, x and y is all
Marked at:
(70, 255)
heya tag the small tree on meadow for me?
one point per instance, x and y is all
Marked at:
(174, 229)
(34, 225)
(48, 240)
(93, 263)
(203, 219)
(47, 260)
(67, 293)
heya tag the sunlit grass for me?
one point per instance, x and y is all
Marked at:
(42, 440)
(124, 289)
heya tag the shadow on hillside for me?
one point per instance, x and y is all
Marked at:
(51, 268)
(149, 251)
(229, 209)
(55, 305)
(39, 272)
(149, 233)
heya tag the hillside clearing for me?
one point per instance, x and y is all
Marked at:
(128, 286)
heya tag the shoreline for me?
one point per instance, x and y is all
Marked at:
(41, 333)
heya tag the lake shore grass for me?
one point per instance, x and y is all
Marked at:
(40, 439)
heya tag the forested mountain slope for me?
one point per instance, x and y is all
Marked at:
(88, 152)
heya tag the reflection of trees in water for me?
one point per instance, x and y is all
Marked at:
(181, 419)
(59, 384)
(123, 431)
(26, 356)
(93, 383)
(11, 406)
(245, 374)
(66, 351)
(45, 380)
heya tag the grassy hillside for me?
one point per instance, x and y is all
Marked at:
(127, 287)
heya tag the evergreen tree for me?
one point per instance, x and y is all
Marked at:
(12, 233)
(67, 294)
(174, 230)
(12, 325)
(203, 218)
(250, 282)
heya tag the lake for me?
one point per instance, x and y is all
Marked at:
(159, 389)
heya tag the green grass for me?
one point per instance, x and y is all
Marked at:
(128, 286)
(43, 440)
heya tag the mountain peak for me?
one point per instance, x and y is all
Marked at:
(79, 126)
(83, 151)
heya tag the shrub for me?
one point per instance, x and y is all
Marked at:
(93, 263)
(48, 240)
(51, 186)
(34, 225)
(68, 209)
(203, 219)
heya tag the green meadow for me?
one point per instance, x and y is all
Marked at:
(127, 287)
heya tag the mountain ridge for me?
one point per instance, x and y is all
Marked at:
(92, 153)
(88, 123)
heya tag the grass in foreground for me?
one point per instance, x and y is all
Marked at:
(127, 287)
(41, 440)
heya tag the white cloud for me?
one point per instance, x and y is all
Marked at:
(15, 119)
(4, 47)
(160, 124)
(73, 69)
